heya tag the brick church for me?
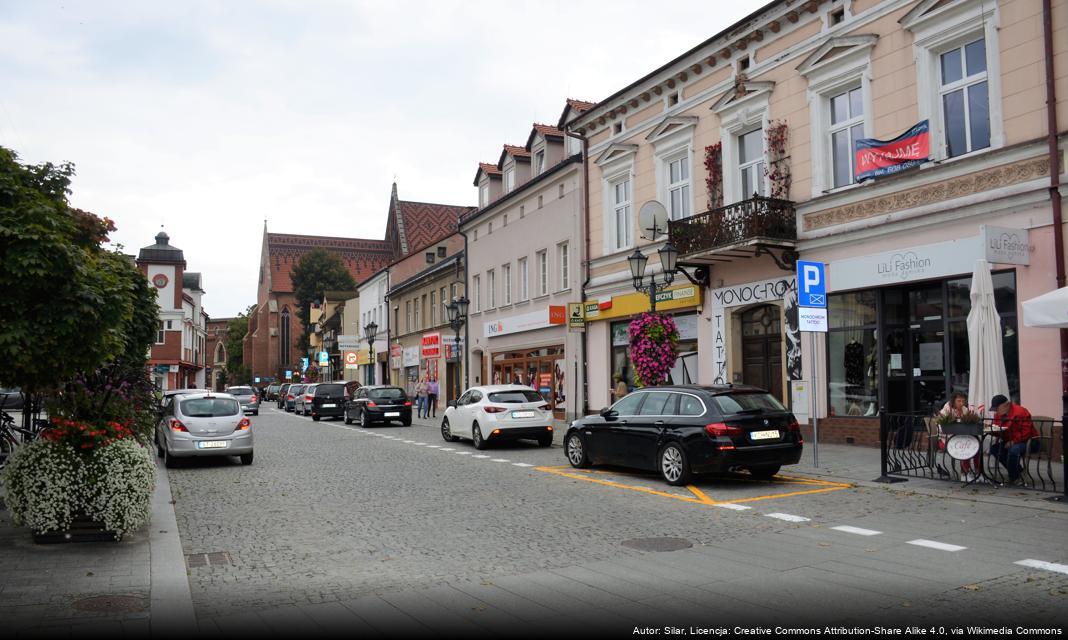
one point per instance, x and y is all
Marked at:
(274, 327)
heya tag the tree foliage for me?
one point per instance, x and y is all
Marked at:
(317, 272)
(68, 304)
(236, 329)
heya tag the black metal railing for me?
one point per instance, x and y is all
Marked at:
(914, 445)
(755, 218)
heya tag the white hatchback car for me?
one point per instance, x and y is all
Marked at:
(203, 424)
(498, 412)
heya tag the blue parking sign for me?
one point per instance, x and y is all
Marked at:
(811, 284)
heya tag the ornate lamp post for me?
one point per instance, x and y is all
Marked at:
(668, 261)
(369, 334)
(457, 311)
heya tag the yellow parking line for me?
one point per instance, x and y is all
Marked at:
(700, 494)
(608, 483)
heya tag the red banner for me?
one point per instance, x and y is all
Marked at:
(876, 158)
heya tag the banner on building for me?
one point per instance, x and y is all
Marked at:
(431, 345)
(877, 158)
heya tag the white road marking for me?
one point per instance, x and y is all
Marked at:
(463, 453)
(447, 449)
(733, 507)
(408, 441)
(480, 456)
(433, 446)
(932, 544)
(788, 517)
(1042, 564)
(521, 464)
(499, 460)
(857, 530)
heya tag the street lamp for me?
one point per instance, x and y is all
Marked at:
(369, 333)
(668, 261)
(457, 311)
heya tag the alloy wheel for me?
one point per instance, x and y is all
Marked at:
(575, 453)
(671, 464)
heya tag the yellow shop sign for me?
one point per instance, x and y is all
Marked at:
(634, 303)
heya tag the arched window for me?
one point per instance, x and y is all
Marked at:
(220, 353)
(283, 338)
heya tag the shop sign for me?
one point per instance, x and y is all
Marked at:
(687, 326)
(396, 361)
(174, 368)
(540, 319)
(635, 303)
(812, 319)
(576, 319)
(877, 158)
(764, 291)
(411, 357)
(347, 341)
(1006, 246)
(939, 260)
(351, 359)
(289, 373)
(431, 345)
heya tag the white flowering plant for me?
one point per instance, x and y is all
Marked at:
(43, 484)
(119, 481)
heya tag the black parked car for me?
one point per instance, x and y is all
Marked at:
(688, 429)
(379, 404)
(272, 392)
(328, 400)
(282, 392)
(11, 399)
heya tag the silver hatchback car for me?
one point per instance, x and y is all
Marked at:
(247, 396)
(203, 424)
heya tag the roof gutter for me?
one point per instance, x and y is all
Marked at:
(1054, 181)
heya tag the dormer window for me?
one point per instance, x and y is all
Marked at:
(509, 179)
(617, 128)
(483, 195)
(539, 161)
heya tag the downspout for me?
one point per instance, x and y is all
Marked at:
(1054, 181)
(586, 262)
(467, 324)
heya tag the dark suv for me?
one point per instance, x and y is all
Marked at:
(687, 429)
(379, 404)
(328, 401)
(282, 391)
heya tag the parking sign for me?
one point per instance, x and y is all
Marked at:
(811, 284)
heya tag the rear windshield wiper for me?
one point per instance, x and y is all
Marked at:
(748, 411)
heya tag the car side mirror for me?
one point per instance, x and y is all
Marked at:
(609, 414)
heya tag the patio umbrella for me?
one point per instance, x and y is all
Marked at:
(987, 377)
(1048, 310)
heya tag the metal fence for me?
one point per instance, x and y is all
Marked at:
(914, 445)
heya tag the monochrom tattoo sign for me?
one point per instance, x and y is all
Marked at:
(753, 293)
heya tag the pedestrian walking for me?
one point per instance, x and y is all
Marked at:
(420, 397)
(432, 397)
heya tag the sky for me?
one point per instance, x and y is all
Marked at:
(210, 117)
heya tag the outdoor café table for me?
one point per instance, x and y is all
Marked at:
(964, 441)
(991, 434)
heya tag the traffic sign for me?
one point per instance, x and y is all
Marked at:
(303, 364)
(812, 319)
(576, 319)
(289, 374)
(811, 284)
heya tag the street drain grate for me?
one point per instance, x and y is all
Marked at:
(213, 559)
(111, 604)
(658, 544)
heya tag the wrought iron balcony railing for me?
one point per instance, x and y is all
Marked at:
(734, 224)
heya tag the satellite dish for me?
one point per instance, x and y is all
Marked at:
(652, 220)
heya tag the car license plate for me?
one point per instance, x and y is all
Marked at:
(393, 414)
(212, 444)
(522, 414)
(764, 435)
(329, 406)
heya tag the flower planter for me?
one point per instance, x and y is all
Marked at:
(82, 529)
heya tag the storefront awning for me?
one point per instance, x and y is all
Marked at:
(1048, 310)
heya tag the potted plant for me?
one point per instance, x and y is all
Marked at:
(654, 341)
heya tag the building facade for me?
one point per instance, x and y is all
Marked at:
(522, 252)
(750, 142)
(218, 329)
(177, 357)
(373, 309)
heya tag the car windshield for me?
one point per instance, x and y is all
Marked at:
(386, 394)
(210, 407)
(296, 389)
(330, 391)
(240, 391)
(516, 396)
(734, 403)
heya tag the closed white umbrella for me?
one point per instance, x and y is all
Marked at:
(987, 377)
(1048, 310)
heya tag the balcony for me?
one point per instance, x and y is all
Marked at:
(746, 229)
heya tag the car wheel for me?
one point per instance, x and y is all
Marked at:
(476, 437)
(446, 431)
(406, 423)
(315, 418)
(159, 448)
(576, 452)
(255, 413)
(246, 458)
(348, 420)
(169, 461)
(545, 441)
(364, 422)
(764, 472)
(674, 467)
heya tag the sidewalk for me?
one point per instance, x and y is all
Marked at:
(134, 587)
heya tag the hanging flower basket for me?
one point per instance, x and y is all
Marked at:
(654, 348)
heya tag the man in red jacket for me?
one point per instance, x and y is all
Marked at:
(1019, 436)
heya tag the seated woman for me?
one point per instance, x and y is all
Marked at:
(957, 407)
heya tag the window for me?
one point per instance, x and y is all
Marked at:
(656, 404)
(621, 223)
(160, 337)
(433, 309)
(476, 285)
(617, 128)
(539, 161)
(679, 187)
(504, 223)
(524, 287)
(506, 277)
(574, 146)
(628, 406)
(407, 315)
(743, 64)
(396, 318)
(509, 180)
(491, 288)
(543, 273)
(836, 16)
(565, 266)
(560, 191)
(965, 98)
(522, 211)
(751, 163)
(483, 195)
(489, 228)
(422, 308)
(539, 202)
(847, 126)
(444, 301)
(283, 337)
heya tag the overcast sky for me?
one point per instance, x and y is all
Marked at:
(209, 117)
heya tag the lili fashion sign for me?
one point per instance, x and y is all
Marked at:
(1006, 246)
(906, 265)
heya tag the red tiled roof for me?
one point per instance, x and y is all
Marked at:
(519, 153)
(424, 223)
(580, 105)
(362, 257)
(488, 169)
(546, 130)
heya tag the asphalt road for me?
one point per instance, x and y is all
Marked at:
(391, 529)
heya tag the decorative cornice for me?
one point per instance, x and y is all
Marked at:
(972, 183)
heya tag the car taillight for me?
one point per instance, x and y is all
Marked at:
(176, 425)
(492, 409)
(796, 428)
(289, 396)
(408, 404)
(307, 398)
(254, 400)
(371, 404)
(244, 424)
(720, 429)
